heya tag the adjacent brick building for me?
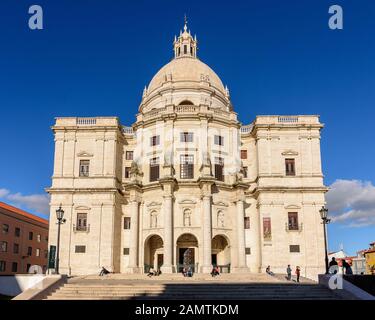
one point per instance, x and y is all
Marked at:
(23, 240)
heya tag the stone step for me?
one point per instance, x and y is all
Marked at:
(270, 297)
(195, 293)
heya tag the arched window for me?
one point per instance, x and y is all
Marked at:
(186, 103)
(187, 218)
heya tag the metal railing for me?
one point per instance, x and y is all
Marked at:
(293, 227)
(81, 228)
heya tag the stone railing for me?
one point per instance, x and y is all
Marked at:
(153, 113)
(287, 120)
(246, 129)
(127, 130)
(186, 108)
(87, 122)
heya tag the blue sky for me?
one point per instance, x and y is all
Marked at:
(93, 58)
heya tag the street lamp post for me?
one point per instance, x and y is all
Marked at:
(60, 221)
(325, 220)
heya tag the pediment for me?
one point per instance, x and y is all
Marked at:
(221, 204)
(290, 153)
(84, 154)
(292, 206)
(187, 201)
(153, 204)
(82, 208)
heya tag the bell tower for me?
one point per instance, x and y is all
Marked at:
(185, 45)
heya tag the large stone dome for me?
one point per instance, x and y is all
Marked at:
(186, 69)
(185, 79)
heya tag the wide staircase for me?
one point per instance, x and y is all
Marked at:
(225, 287)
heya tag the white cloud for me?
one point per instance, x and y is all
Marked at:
(352, 202)
(39, 203)
(3, 193)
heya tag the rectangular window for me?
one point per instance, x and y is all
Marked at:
(126, 251)
(31, 236)
(187, 166)
(247, 222)
(17, 232)
(219, 140)
(37, 252)
(247, 250)
(127, 172)
(243, 154)
(186, 136)
(294, 248)
(127, 223)
(81, 222)
(2, 266)
(129, 155)
(16, 248)
(154, 169)
(185, 49)
(80, 249)
(29, 251)
(219, 168)
(245, 172)
(154, 141)
(290, 168)
(3, 246)
(14, 267)
(267, 236)
(84, 168)
(292, 220)
(5, 228)
(38, 238)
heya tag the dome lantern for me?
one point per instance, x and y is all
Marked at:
(185, 45)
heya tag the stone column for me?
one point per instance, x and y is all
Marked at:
(241, 234)
(133, 248)
(255, 240)
(168, 234)
(168, 184)
(241, 255)
(207, 235)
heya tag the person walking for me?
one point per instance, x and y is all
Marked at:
(347, 269)
(333, 263)
(298, 273)
(289, 273)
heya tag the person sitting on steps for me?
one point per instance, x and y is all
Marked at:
(215, 271)
(151, 272)
(268, 271)
(103, 272)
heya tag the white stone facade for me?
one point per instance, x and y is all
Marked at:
(122, 216)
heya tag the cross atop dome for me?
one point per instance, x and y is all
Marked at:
(185, 46)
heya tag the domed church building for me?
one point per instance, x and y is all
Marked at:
(188, 185)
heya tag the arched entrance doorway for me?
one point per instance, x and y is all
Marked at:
(221, 253)
(153, 254)
(187, 252)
